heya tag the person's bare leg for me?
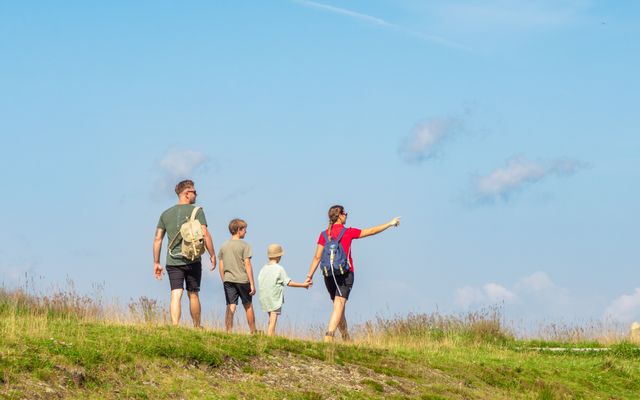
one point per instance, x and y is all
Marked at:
(336, 316)
(194, 307)
(174, 307)
(228, 318)
(344, 328)
(251, 318)
(273, 320)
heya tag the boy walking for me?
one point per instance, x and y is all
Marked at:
(272, 280)
(236, 273)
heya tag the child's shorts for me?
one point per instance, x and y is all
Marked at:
(233, 290)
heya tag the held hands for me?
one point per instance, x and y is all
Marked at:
(308, 282)
(394, 222)
(158, 271)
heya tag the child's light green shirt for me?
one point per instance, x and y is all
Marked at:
(271, 282)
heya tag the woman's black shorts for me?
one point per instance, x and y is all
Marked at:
(190, 273)
(343, 288)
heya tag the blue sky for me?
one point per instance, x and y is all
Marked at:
(502, 131)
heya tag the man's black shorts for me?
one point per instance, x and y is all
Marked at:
(190, 273)
(345, 283)
(233, 290)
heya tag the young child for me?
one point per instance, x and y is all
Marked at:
(236, 273)
(271, 281)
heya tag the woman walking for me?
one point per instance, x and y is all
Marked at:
(333, 255)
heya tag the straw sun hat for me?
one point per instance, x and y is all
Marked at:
(274, 250)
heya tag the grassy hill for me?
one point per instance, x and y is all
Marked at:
(59, 347)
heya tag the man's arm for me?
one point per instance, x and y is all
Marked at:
(249, 269)
(208, 243)
(379, 228)
(314, 263)
(157, 247)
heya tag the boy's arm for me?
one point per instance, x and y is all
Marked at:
(249, 269)
(297, 284)
(221, 269)
(379, 228)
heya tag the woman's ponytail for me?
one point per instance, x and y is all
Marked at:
(334, 213)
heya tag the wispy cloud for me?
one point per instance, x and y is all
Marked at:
(520, 172)
(343, 11)
(176, 165)
(536, 282)
(625, 308)
(488, 294)
(380, 22)
(426, 139)
(535, 288)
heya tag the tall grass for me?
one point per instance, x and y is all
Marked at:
(419, 330)
(485, 326)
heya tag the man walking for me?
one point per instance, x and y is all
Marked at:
(181, 268)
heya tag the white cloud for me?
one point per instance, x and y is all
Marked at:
(496, 293)
(518, 173)
(426, 139)
(181, 163)
(176, 165)
(536, 282)
(625, 308)
(490, 293)
(466, 296)
(536, 290)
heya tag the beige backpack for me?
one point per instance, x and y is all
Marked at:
(192, 238)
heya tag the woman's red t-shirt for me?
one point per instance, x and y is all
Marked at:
(349, 235)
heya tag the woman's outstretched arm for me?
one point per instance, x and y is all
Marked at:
(379, 228)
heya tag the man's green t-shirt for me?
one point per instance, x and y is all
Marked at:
(171, 220)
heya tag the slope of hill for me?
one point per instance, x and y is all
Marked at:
(48, 351)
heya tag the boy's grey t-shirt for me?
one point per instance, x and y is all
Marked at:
(170, 221)
(233, 253)
(271, 282)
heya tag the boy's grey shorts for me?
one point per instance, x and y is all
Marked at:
(233, 290)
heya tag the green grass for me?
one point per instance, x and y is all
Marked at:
(52, 350)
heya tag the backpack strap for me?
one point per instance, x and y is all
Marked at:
(325, 236)
(194, 212)
(341, 234)
(171, 244)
